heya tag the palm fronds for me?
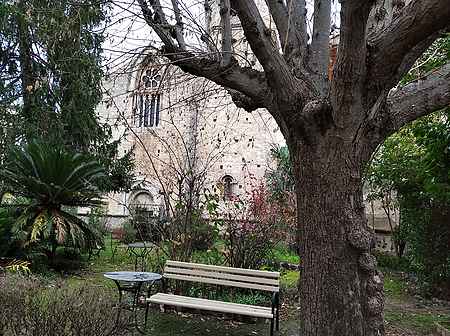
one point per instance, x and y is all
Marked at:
(53, 176)
(52, 179)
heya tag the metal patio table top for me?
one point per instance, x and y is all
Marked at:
(133, 276)
(141, 245)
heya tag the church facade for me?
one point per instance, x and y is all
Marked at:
(185, 131)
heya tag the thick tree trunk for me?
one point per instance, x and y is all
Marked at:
(341, 292)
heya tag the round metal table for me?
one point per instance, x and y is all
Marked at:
(132, 282)
(140, 250)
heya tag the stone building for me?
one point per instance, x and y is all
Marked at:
(185, 131)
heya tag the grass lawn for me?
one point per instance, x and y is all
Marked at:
(420, 321)
(395, 288)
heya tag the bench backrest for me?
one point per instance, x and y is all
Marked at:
(221, 275)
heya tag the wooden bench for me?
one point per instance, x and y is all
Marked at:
(224, 276)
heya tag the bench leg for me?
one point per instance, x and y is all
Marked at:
(271, 326)
(278, 319)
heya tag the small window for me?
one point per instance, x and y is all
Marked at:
(228, 186)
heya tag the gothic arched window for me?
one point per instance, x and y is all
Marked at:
(148, 104)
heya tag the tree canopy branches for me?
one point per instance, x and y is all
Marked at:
(291, 64)
(416, 22)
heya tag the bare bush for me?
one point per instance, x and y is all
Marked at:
(30, 308)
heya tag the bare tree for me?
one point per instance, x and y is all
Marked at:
(177, 158)
(331, 125)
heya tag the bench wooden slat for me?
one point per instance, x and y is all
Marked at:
(174, 297)
(224, 276)
(222, 282)
(224, 269)
(218, 306)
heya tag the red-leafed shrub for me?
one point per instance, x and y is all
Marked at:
(253, 227)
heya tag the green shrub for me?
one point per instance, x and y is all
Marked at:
(18, 266)
(429, 253)
(130, 233)
(97, 221)
(53, 180)
(210, 257)
(289, 279)
(204, 234)
(392, 263)
(9, 246)
(282, 253)
(227, 294)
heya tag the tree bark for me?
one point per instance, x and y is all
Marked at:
(341, 292)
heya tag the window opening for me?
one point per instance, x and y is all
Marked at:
(227, 187)
(148, 103)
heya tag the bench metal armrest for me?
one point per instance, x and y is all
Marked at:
(275, 301)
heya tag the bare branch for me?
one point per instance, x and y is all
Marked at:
(320, 51)
(290, 20)
(260, 39)
(179, 26)
(158, 22)
(225, 9)
(388, 50)
(243, 101)
(419, 98)
(250, 82)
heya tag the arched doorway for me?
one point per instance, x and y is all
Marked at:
(145, 214)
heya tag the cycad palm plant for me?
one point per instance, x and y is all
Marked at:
(53, 179)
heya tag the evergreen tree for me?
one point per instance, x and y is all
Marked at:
(51, 73)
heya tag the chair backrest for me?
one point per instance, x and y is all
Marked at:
(220, 275)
